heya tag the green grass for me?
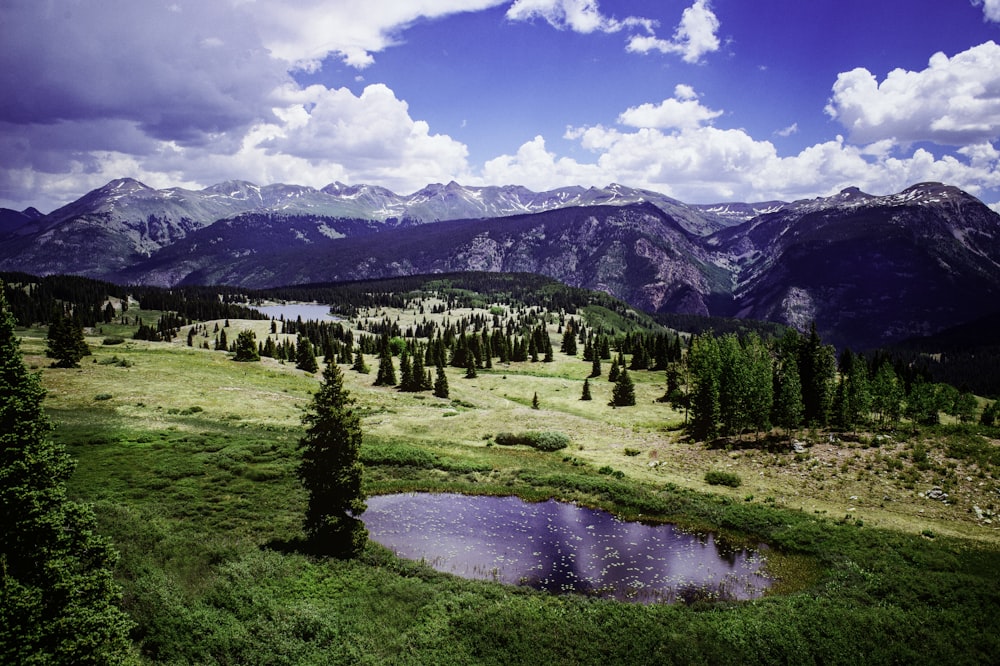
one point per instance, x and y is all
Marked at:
(190, 467)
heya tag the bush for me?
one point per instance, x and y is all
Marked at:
(103, 396)
(543, 441)
(113, 341)
(720, 478)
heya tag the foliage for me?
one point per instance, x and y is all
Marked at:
(58, 601)
(246, 347)
(720, 478)
(623, 393)
(65, 342)
(331, 470)
(543, 441)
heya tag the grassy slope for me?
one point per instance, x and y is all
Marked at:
(190, 465)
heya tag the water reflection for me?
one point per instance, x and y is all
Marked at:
(562, 547)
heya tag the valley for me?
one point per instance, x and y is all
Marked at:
(188, 460)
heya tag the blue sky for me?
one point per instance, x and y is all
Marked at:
(704, 100)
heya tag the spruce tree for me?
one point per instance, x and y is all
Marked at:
(58, 599)
(614, 371)
(704, 364)
(359, 363)
(534, 401)
(331, 470)
(406, 382)
(305, 357)
(386, 375)
(623, 394)
(586, 390)
(246, 346)
(441, 383)
(65, 342)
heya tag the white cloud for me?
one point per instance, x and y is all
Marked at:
(954, 101)
(681, 111)
(788, 131)
(695, 35)
(991, 9)
(581, 16)
(707, 164)
(304, 32)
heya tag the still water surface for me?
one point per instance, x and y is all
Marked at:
(292, 311)
(562, 547)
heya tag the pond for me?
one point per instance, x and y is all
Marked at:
(560, 547)
(292, 311)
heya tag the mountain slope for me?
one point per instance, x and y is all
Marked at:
(865, 268)
(635, 252)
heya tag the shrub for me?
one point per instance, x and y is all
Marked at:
(113, 341)
(103, 396)
(720, 478)
(632, 452)
(543, 441)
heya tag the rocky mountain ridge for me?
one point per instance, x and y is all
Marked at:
(868, 269)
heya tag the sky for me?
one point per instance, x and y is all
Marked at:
(703, 100)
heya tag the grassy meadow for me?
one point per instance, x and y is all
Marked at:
(188, 459)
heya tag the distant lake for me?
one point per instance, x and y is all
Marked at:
(560, 547)
(292, 311)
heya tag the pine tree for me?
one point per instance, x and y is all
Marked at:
(595, 366)
(331, 470)
(359, 363)
(406, 382)
(246, 346)
(58, 599)
(305, 357)
(65, 342)
(586, 390)
(534, 401)
(470, 367)
(568, 342)
(623, 394)
(441, 383)
(614, 371)
(386, 375)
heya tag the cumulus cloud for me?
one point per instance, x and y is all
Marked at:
(707, 164)
(305, 32)
(991, 9)
(954, 101)
(694, 37)
(583, 16)
(682, 110)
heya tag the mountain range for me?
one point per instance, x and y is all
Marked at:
(867, 269)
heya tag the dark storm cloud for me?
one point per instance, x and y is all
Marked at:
(183, 72)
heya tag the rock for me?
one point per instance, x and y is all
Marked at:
(798, 447)
(936, 493)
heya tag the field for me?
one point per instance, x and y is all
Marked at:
(188, 458)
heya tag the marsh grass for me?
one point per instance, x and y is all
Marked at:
(198, 502)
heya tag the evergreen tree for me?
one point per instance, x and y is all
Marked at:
(65, 342)
(623, 394)
(58, 599)
(614, 371)
(405, 373)
(441, 383)
(331, 470)
(568, 342)
(817, 369)
(534, 401)
(305, 357)
(246, 346)
(586, 390)
(595, 366)
(221, 343)
(470, 367)
(386, 375)
(359, 363)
